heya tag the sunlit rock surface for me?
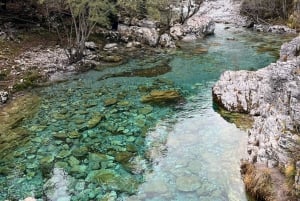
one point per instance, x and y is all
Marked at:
(272, 95)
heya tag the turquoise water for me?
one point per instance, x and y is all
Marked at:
(93, 138)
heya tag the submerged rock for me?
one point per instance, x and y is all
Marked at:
(161, 96)
(95, 120)
(187, 183)
(111, 180)
(110, 101)
(11, 116)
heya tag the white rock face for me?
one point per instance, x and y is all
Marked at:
(144, 35)
(195, 27)
(272, 96)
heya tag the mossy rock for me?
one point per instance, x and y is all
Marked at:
(110, 101)
(94, 121)
(80, 152)
(11, 134)
(161, 96)
(123, 157)
(111, 180)
(46, 165)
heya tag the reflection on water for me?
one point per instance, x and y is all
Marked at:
(93, 138)
(197, 158)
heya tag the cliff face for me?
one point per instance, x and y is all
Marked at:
(272, 96)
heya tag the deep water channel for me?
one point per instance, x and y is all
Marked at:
(93, 139)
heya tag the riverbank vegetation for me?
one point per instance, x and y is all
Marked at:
(273, 11)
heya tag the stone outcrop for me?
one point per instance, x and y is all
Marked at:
(147, 32)
(272, 96)
(144, 35)
(195, 27)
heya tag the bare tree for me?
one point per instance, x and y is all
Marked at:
(74, 21)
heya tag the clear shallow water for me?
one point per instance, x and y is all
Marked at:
(95, 140)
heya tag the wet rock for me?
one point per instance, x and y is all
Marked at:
(80, 152)
(74, 135)
(62, 165)
(63, 154)
(46, 164)
(94, 121)
(96, 159)
(123, 157)
(112, 196)
(79, 171)
(200, 50)
(161, 96)
(156, 187)
(73, 161)
(3, 96)
(146, 110)
(60, 135)
(187, 183)
(111, 180)
(110, 101)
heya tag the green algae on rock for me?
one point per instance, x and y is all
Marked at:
(11, 117)
(161, 96)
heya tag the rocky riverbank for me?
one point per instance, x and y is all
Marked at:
(271, 95)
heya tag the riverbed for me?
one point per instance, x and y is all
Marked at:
(92, 138)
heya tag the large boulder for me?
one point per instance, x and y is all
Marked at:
(272, 96)
(199, 25)
(144, 35)
(195, 27)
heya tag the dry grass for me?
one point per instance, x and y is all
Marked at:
(258, 183)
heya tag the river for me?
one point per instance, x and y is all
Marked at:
(93, 139)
